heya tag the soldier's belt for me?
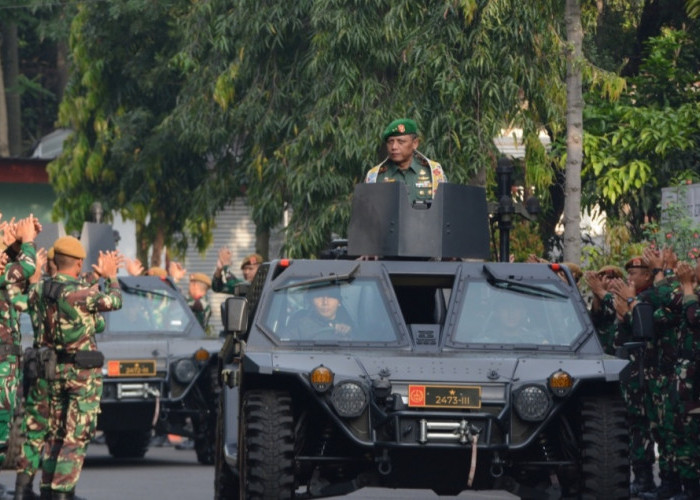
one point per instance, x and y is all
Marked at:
(81, 359)
(10, 350)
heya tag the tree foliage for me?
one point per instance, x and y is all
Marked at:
(650, 137)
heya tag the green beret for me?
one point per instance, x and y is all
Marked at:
(70, 246)
(402, 126)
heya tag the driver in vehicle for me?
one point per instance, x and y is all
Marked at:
(324, 318)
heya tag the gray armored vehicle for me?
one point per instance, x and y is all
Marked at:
(160, 371)
(445, 373)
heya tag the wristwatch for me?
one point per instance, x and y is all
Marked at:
(656, 271)
(630, 300)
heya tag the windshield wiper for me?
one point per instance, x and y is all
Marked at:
(520, 287)
(330, 279)
(144, 292)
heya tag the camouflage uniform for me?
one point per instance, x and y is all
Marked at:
(11, 283)
(685, 390)
(74, 395)
(634, 389)
(226, 282)
(36, 404)
(659, 376)
(422, 176)
(201, 309)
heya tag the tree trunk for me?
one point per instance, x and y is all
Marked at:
(62, 67)
(4, 142)
(10, 59)
(262, 242)
(574, 133)
(158, 246)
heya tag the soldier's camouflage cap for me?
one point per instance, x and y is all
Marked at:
(201, 277)
(70, 246)
(49, 253)
(575, 269)
(402, 126)
(253, 258)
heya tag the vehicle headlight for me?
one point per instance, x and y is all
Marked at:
(532, 403)
(184, 370)
(349, 399)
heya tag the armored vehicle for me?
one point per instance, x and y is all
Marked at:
(427, 367)
(160, 371)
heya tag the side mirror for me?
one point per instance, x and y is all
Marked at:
(643, 321)
(234, 314)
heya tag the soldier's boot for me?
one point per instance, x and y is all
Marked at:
(643, 481)
(44, 493)
(23, 487)
(670, 486)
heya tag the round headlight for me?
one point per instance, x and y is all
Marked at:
(532, 403)
(349, 399)
(184, 370)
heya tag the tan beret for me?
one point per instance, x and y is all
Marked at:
(49, 253)
(253, 258)
(201, 277)
(70, 246)
(157, 271)
(574, 268)
(611, 271)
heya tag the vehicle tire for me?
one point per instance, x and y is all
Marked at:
(204, 443)
(127, 444)
(604, 443)
(226, 485)
(266, 445)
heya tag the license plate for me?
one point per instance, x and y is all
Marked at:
(136, 368)
(444, 396)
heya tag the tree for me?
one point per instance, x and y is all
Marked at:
(121, 153)
(302, 92)
(574, 132)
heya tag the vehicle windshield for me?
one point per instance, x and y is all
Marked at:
(351, 311)
(152, 311)
(493, 314)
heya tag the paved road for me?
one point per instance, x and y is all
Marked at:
(169, 474)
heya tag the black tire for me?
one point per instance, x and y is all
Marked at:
(205, 441)
(127, 444)
(226, 485)
(604, 446)
(266, 447)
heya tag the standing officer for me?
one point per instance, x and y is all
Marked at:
(224, 280)
(406, 164)
(634, 388)
(36, 410)
(20, 257)
(75, 384)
